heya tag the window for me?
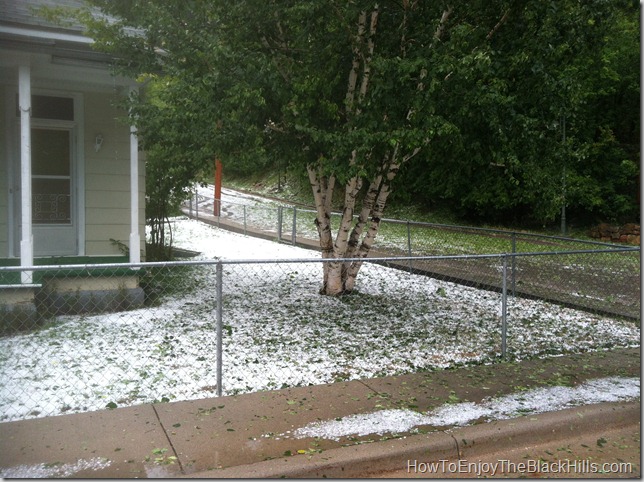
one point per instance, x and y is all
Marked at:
(50, 107)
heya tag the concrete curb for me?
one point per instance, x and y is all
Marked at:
(464, 443)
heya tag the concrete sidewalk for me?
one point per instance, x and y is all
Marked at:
(481, 450)
(250, 435)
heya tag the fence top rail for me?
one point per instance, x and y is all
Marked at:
(163, 264)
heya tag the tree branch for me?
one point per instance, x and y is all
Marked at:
(504, 18)
(355, 64)
(440, 30)
(367, 61)
(490, 34)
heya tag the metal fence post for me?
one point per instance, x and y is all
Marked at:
(504, 307)
(219, 330)
(514, 264)
(294, 232)
(196, 205)
(409, 244)
(244, 219)
(279, 224)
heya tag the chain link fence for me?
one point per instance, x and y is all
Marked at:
(85, 337)
(589, 277)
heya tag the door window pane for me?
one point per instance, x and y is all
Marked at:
(50, 152)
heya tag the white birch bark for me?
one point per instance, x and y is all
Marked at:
(322, 193)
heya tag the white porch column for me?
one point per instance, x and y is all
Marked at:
(135, 237)
(26, 239)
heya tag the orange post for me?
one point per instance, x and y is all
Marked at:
(217, 206)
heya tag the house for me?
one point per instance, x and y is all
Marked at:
(71, 175)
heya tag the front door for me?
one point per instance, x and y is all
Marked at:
(53, 181)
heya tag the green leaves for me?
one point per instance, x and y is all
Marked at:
(160, 457)
(506, 99)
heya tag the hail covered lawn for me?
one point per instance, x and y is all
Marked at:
(278, 331)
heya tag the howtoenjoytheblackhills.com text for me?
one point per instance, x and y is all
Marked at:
(500, 467)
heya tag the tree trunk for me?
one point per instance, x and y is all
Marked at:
(351, 240)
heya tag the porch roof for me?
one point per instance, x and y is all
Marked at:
(22, 13)
(22, 29)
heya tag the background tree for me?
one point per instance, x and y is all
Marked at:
(504, 160)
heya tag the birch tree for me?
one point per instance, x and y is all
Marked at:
(391, 60)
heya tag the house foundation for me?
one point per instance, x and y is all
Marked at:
(73, 296)
(25, 307)
(18, 308)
